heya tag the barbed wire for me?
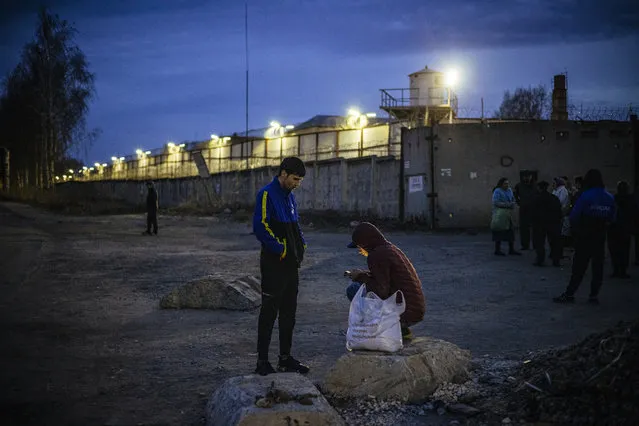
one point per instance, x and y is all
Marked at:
(575, 112)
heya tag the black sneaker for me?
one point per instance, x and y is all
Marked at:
(564, 298)
(291, 365)
(264, 368)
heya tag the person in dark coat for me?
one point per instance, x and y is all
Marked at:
(151, 209)
(636, 230)
(589, 219)
(389, 270)
(547, 217)
(620, 231)
(525, 194)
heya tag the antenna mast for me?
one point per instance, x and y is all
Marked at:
(247, 67)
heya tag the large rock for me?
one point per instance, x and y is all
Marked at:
(410, 375)
(274, 400)
(216, 292)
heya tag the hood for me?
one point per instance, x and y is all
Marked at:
(367, 235)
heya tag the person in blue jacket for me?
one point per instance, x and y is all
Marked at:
(594, 210)
(276, 226)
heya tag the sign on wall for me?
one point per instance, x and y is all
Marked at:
(415, 184)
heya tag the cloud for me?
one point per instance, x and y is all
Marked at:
(417, 26)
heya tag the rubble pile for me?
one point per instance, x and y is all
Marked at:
(594, 382)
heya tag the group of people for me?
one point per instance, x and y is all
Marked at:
(276, 226)
(583, 216)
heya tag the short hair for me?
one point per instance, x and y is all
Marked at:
(293, 166)
(623, 187)
(593, 179)
(543, 185)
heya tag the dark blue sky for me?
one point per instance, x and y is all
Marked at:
(174, 70)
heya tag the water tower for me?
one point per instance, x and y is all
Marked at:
(429, 98)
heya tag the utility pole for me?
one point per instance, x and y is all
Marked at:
(246, 106)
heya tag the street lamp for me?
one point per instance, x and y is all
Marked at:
(451, 77)
(356, 119)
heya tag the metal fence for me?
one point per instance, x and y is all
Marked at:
(239, 153)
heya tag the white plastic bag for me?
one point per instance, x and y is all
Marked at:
(373, 323)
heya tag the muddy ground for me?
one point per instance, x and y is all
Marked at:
(84, 342)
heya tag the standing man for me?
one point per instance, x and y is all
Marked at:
(621, 229)
(152, 205)
(275, 224)
(547, 218)
(525, 193)
(636, 233)
(589, 219)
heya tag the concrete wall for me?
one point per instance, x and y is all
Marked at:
(227, 156)
(479, 154)
(366, 185)
(469, 159)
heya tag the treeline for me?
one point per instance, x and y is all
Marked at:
(44, 104)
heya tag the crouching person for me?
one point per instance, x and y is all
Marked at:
(389, 270)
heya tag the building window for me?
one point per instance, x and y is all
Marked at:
(589, 134)
(619, 133)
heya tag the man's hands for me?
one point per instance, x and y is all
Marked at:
(356, 274)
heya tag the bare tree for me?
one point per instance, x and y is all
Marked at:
(45, 100)
(532, 103)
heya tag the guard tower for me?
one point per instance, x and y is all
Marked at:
(429, 99)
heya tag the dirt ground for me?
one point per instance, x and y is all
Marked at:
(84, 342)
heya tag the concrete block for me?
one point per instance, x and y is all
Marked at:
(410, 375)
(292, 400)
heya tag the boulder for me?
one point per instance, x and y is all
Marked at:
(277, 399)
(410, 375)
(215, 292)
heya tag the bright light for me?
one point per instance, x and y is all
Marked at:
(70, 171)
(290, 126)
(114, 158)
(170, 144)
(104, 164)
(371, 115)
(64, 177)
(91, 169)
(85, 168)
(356, 119)
(182, 145)
(275, 124)
(147, 152)
(226, 139)
(138, 151)
(214, 137)
(57, 178)
(121, 158)
(96, 164)
(451, 77)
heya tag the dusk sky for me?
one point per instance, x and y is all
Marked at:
(175, 70)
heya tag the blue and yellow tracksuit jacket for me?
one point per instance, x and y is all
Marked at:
(275, 223)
